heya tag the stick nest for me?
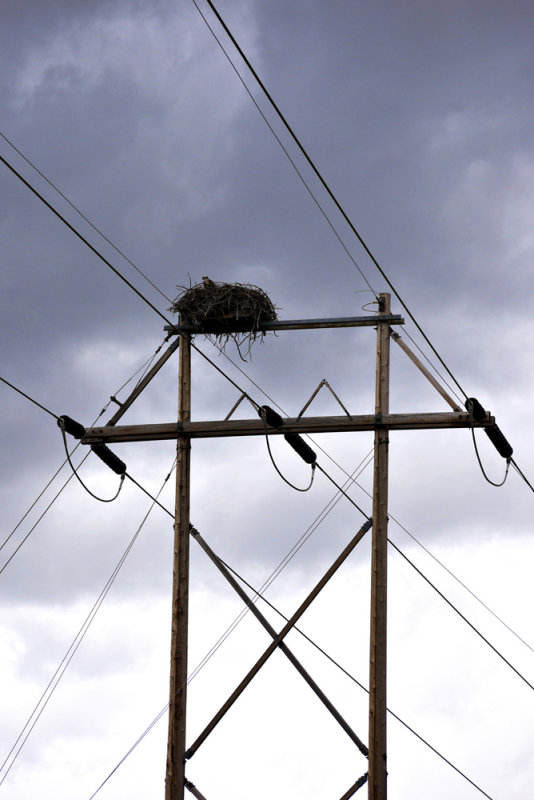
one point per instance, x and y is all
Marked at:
(228, 310)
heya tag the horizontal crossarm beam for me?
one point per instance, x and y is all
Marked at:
(235, 326)
(256, 427)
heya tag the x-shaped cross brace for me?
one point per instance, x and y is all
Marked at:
(278, 642)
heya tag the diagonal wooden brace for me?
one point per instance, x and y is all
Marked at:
(193, 789)
(355, 786)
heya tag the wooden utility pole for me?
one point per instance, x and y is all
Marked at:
(175, 776)
(382, 422)
(378, 635)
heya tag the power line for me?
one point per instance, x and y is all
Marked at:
(326, 186)
(338, 487)
(84, 240)
(83, 216)
(401, 526)
(27, 396)
(522, 474)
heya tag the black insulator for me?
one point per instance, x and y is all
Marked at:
(497, 438)
(71, 426)
(475, 409)
(271, 417)
(299, 446)
(493, 432)
(109, 458)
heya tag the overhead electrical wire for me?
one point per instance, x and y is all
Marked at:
(31, 399)
(522, 474)
(323, 182)
(355, 482)
(276, 108)
(228, 378)
(84, 240)
(93, 249)
(449, 603)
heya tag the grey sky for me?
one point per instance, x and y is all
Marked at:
(419, 116)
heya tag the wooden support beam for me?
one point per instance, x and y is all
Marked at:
(428, 375)
(143, 383)
(175, 774)
(378, 631)
(235, 326)
(255, 427)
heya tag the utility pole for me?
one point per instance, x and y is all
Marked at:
(175, 775)
(381, 422)
(378, 630)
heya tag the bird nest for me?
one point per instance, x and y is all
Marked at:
(227, 310)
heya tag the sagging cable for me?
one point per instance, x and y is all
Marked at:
(272, 418)
(76, 429)
(478, 413)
